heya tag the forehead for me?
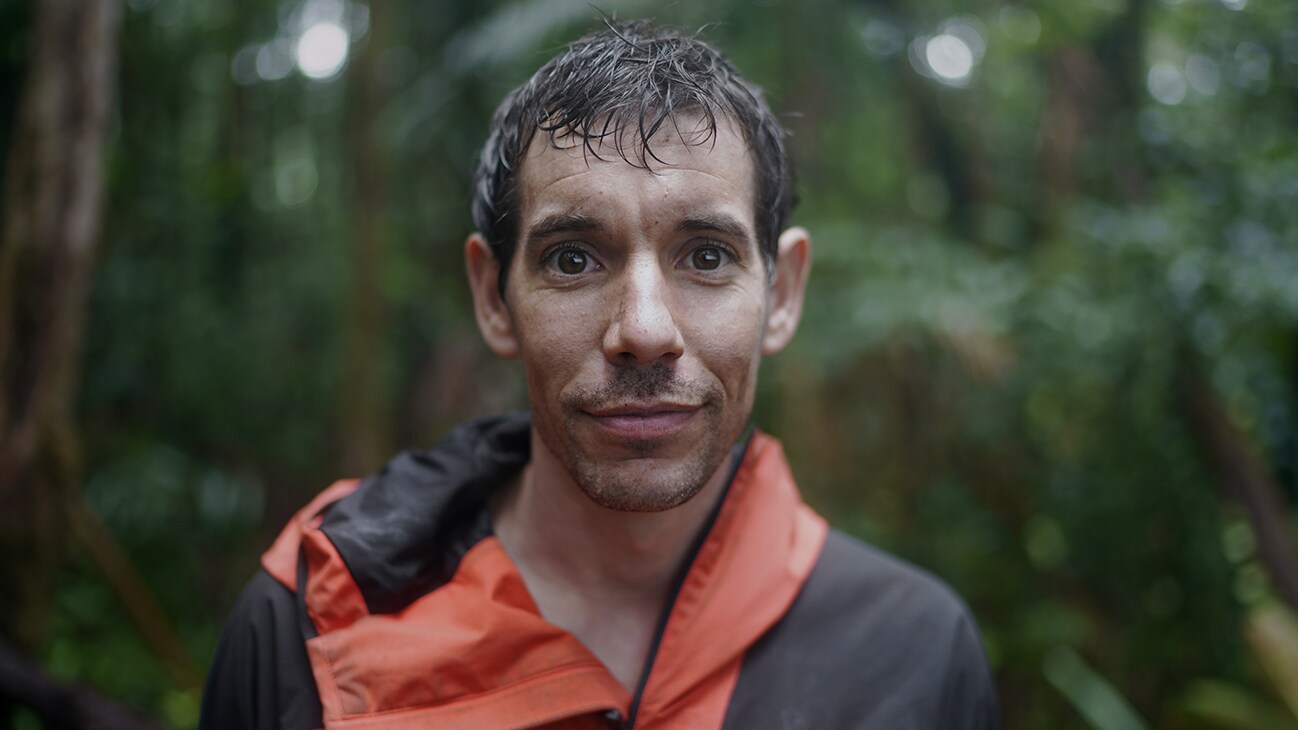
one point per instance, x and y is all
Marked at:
(684, 169)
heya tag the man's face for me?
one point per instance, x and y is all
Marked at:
(638, 302)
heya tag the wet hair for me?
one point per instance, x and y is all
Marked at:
(623, 84)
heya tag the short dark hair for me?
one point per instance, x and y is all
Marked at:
(628, 77)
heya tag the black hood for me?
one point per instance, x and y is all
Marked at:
(403, 531)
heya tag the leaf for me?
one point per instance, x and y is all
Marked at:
(1227, 706)
(1091, 694)
(1272, 632)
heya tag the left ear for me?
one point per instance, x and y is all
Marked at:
(789, 282)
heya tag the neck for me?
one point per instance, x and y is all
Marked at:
(602, 574)
(550, 527)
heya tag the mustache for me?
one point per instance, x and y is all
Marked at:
(635, 383)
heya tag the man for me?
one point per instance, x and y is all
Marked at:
(631, 554)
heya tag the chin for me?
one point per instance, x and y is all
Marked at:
(645, 484)
(623, 494)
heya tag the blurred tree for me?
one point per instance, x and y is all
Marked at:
(53, 206)
(365, 418)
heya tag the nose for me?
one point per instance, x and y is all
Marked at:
(643, 328)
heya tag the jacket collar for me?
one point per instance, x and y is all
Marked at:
(404, 530)
(420, 614)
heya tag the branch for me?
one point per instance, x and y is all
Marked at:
(61, 705)
(1245, 477)
(137, 598)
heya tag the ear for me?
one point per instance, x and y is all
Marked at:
(489, 307)
(789, 282)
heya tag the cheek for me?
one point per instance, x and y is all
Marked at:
(555, 337)
(728, 344)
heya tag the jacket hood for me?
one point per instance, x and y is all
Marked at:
(404, 529)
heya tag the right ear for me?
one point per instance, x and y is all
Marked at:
(494, 320)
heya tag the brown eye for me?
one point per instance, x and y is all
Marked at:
(707, 258)
(571, 261)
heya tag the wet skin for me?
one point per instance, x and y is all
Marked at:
(640, 305)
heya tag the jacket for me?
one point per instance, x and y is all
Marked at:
(388, 604)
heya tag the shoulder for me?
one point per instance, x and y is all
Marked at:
(261, 676)
(871, 642)
(858, 597)
(864, 589)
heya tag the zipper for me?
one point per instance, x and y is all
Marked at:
(737, 456)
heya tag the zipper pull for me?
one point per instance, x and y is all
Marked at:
(615, 719)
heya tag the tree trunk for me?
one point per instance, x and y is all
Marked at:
(53, 204)
(365, 428)
(1245, 479)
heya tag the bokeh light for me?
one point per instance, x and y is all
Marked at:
(949, 57)
(1202, 74)
(882, 38)
(315, 38)
(1252, 64)
(321, 51)
(274, 60)
(1166, 84)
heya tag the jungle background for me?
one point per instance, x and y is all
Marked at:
(1050, 350)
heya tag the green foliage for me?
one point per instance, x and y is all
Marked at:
(1012, 271)
(1221, 705)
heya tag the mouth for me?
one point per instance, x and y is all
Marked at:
(643, 421)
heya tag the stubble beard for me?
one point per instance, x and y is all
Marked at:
(613, 483)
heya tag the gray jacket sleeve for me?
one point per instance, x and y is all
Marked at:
(261, 678)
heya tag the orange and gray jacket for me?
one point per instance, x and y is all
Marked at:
(388, 604)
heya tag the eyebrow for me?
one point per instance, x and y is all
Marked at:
(562, 223)
(723, 224)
